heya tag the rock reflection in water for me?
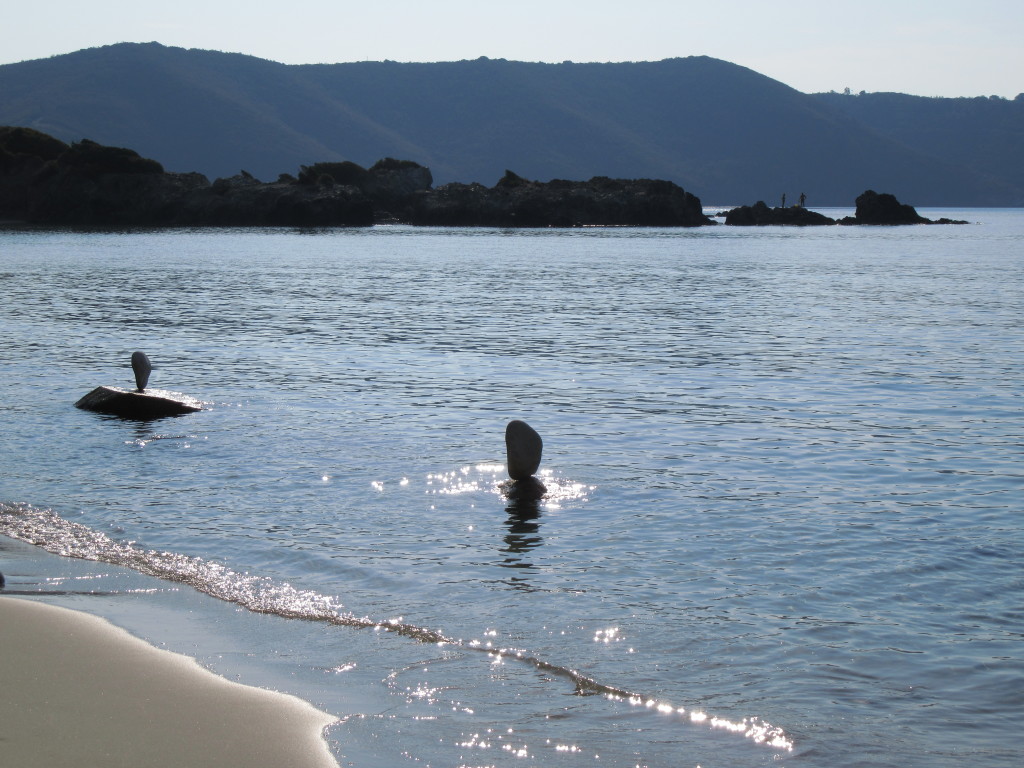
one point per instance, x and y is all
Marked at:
(523, 532)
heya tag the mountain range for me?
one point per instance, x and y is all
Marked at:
(723, 132)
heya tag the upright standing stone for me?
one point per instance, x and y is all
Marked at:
(523, 447)
(142, 368)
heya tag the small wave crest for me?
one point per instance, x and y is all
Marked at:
(48, 530)
(51, 532)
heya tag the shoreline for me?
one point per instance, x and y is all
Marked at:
(79, 690)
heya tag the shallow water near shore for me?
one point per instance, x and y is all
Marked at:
(784, 466)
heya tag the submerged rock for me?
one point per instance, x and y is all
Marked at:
(529, 489)
(153, 404)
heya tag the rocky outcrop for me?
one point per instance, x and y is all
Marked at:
(885, 209)
(243, 200)
(601, 201)
(45, 181)
(872, 208)
(760, 215)
(390, 185)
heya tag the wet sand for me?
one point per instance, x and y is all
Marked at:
(75, 690)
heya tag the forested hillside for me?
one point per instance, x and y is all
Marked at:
(724, 132)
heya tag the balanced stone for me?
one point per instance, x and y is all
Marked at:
(139, 404)
(142, 368)
(523, 448)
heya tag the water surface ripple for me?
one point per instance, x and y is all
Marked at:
(784, 525)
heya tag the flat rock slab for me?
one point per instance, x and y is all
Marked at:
(151, 404)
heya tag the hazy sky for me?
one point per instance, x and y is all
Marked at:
(934, 48)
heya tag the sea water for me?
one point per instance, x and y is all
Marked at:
(784, 513)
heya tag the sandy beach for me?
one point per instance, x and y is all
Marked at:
(78, 691)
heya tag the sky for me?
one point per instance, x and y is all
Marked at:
(935, 48)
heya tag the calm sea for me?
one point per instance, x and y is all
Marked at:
(784, 525)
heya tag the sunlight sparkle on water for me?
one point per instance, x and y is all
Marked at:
(607, 635)
(452, 483)
(753, 728)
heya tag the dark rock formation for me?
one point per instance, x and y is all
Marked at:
(242, 200)
(874, 208)
(760, 215)
(885, 209)
(391, 185)
(154, 404)
(517, 202)
(44, 181)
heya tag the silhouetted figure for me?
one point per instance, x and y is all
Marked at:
(783, 199)
(803, 199)
(142, 368)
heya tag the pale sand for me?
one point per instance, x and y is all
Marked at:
(77, 691)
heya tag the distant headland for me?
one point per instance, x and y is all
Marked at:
(719, 130)
(44, 181)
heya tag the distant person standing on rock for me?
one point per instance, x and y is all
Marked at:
(803, 199)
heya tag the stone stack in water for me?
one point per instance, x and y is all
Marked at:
(523, 448)
(139, 404)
